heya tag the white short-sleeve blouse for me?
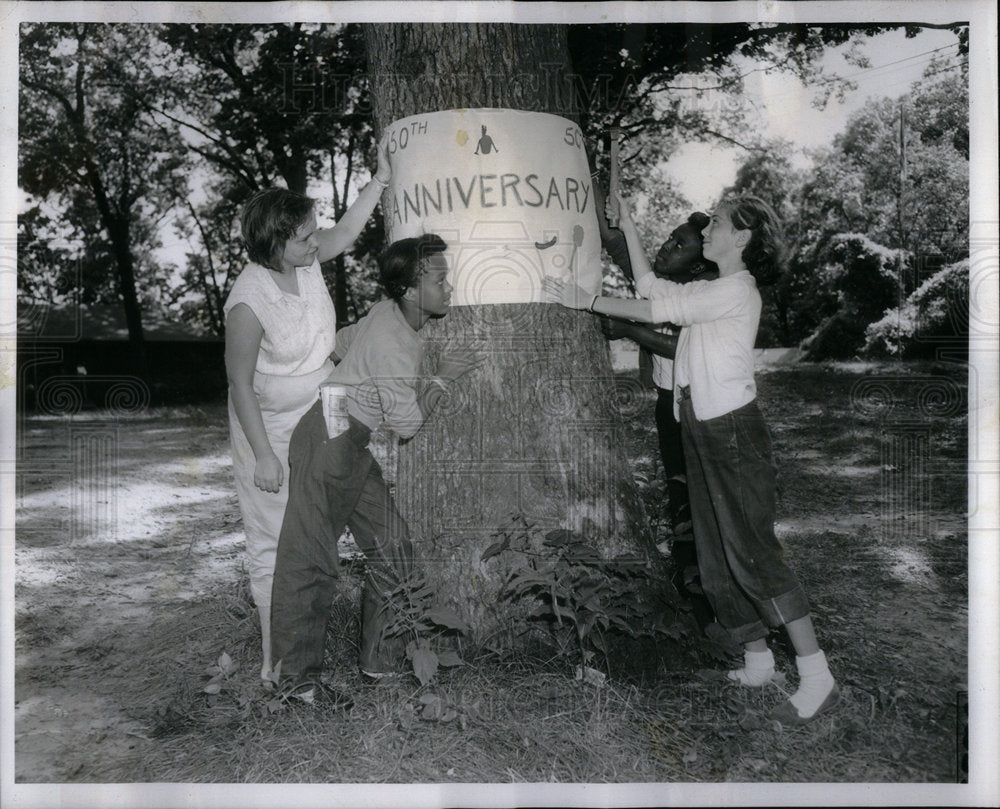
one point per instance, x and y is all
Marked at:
(300, 331)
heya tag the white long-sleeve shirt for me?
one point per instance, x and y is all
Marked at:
(714, 355)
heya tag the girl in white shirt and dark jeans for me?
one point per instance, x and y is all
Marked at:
(727, 447)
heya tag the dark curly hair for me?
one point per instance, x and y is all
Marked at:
(764, 254)
(402, 261)
(698, 221)
(269, 219)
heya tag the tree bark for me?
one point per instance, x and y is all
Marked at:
(537, 431)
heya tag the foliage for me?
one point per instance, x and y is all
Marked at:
(860, 185)
(861, 279)
(935, 313)
(422, 624)
(88, 149)
(622, 71)
(47, 271)
(667, 85)
(266, 105)
(568, 584)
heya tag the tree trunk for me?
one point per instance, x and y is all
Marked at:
(130, 299)
(117, 225)
(537, 431)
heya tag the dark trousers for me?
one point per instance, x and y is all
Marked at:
(668, 430)
(731, 482)
(334, 482)
(682, 549)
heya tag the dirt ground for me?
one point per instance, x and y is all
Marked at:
(154, 536)
(127, 524)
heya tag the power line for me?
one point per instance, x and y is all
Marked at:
(926, 76)
(869, 73)
(899, 61)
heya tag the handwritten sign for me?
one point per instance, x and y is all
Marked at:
(509, 191)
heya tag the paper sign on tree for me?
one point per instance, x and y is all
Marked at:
(509, 191)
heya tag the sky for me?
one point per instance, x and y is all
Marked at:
(782, 108)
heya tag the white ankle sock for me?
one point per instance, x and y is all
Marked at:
(758, 669)
(815, 684)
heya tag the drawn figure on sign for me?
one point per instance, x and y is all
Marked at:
(486, 144)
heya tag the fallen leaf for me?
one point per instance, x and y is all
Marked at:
(226, 664)
(432, 711)
(425, 664)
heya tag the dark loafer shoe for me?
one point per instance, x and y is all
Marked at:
(315, 692)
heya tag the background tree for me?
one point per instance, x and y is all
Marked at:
(667, 85)
(867, 222)
(265, 105)
(87, 146)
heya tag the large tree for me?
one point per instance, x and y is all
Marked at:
(87, 146)
(537, 430)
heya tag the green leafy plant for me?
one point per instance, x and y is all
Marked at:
(569, 584)
(423, 624)
(225, 688)
(220, 673)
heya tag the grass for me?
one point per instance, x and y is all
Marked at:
(879, 543)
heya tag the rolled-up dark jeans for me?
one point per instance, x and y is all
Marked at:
(731, 485)
(334, 482)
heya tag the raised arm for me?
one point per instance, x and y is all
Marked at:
(612, 239)
(638, 260)
(334, 241)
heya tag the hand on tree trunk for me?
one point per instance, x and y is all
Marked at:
(384, 171)
(457, 363)
(566, 293)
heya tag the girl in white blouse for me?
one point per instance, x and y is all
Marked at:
(280, 331)
(727, 447)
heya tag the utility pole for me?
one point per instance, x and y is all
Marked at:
(901, 285)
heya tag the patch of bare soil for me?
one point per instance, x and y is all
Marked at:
(120, 523)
